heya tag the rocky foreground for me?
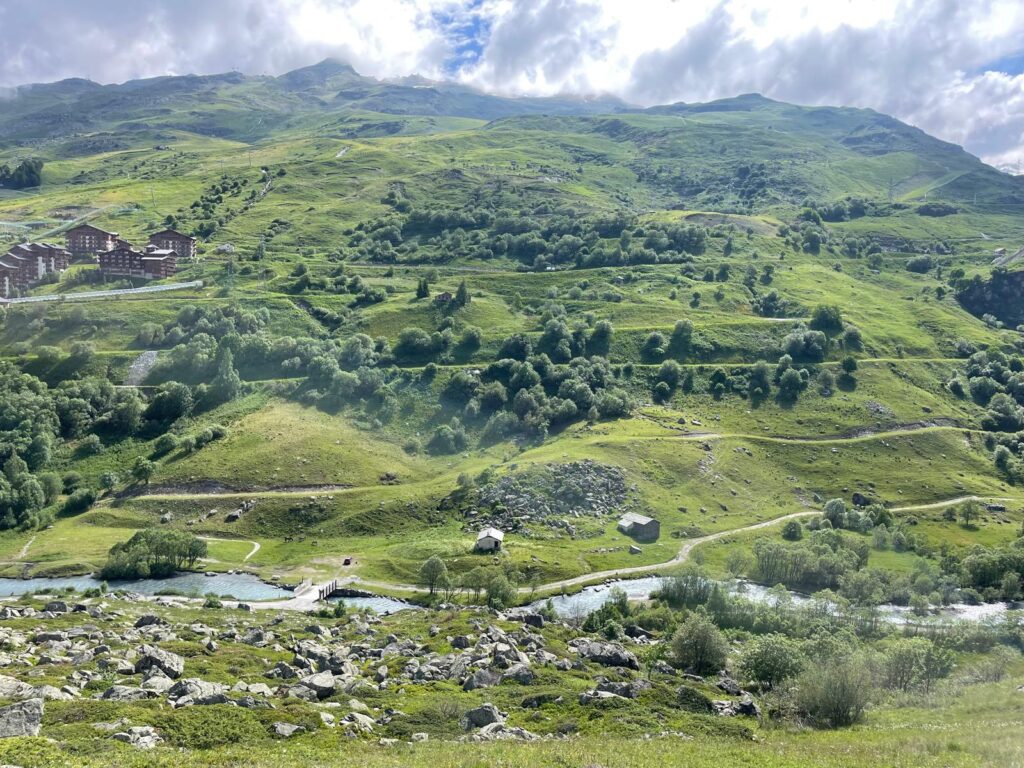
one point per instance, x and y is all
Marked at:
(136, 672)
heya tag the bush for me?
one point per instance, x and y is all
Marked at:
(91, 445)
(827, 318)
(698, 645)
(79, 501)
(793, 531)
(211, 726)
(835, 693)
(692, 700)
(165, 444)
(770, 659)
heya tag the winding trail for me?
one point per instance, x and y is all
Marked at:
(305, 596)
(614, 573)
(23, 553)
(855, 435)
(255, 545)
(950, 502)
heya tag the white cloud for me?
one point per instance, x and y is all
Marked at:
(923, 61)
(917, 60)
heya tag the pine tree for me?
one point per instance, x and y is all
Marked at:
(422, 289)
(227, 384)
(462, 295)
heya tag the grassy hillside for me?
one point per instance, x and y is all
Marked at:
(321, 212)
(424, 310)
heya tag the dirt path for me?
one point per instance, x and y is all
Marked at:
(614, 573)
(255, 546)
(23, 553)
(853, 435)
(305, 597)
(950, 502)
(681, 556)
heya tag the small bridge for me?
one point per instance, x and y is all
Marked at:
(326, 590)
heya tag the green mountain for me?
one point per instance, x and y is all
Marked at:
(742, 339)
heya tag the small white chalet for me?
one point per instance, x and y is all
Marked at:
(489, 540)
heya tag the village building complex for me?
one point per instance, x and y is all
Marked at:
(28, 263)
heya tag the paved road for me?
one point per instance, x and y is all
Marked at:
(103, 294)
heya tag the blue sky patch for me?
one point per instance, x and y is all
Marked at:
(467, 31)
(1011, 65)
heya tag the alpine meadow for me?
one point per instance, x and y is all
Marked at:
(352, 421)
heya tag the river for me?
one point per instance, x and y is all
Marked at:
(240, 586)
(592, 598)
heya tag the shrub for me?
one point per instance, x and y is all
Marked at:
(699, 645)
(211, 726)
(771, 659)
(793, 531)
(827, 318)
(165, 444)
(836, 692)
(79, 501)
(692, 700)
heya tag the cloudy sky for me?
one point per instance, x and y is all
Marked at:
(952, 67)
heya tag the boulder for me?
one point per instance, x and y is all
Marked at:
(157, 681)
(627, 690)
(21, 719)
(251, 702)
(11, 688)
(283, 671)
(322, 683)
(502, 732)
(148, 620)
(519, 673)
(127, 693)
(481, 678)
(359, 722)
(171, 664)
(140, 737)
(729, 686)
(483, 715)
(534, 620)
(599, 697)
(192, 690)
(287, 730)
(50, 693)
(608, 654)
